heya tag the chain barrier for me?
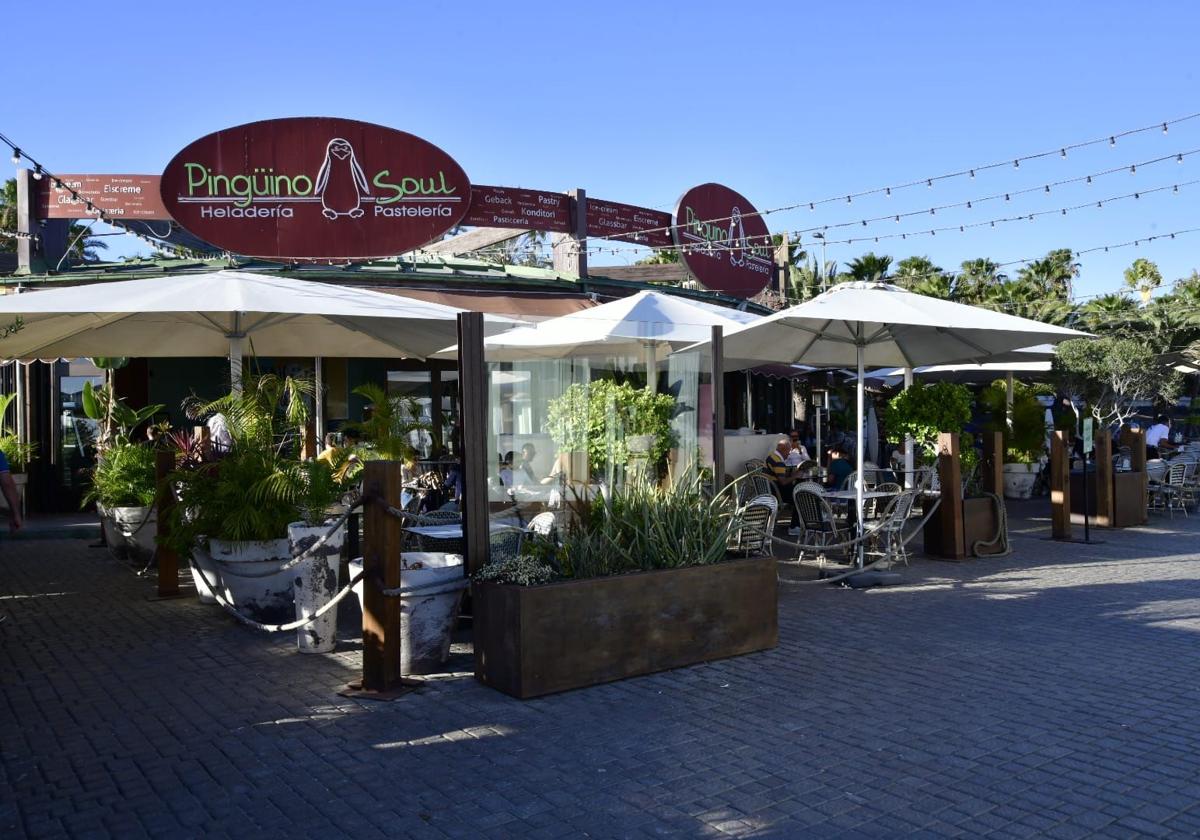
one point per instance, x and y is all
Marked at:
(219, 596)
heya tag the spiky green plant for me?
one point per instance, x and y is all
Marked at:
(310, 487)
(388, 428)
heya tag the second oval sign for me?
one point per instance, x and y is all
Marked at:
(723, 241)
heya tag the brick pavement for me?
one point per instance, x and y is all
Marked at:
(1054, 692)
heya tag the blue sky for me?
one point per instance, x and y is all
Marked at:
(636, 102)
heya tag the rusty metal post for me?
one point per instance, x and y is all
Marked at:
(1105, 503)
(382, 534)
(472, 384)
(168, 560)
(1137, 462)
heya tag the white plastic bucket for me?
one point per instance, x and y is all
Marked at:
(426, 620)
(314, 583)
(138, 539)
(252, 580)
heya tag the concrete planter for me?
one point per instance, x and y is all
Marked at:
(427, 616)
(314, 583)
(1019, 480)
(535, 640)
(251, 579)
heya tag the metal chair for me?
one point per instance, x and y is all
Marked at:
(544, 524)
(888, 539)
(504, 544)
(1167, 495)
(453, 545)
(817, 522)
(871, 507)
(756, 525)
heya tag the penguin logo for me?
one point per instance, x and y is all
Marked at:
(341, 183)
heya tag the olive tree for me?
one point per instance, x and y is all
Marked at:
(1111, 374)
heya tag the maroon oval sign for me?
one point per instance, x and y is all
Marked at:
(723, 241)
(315, 188)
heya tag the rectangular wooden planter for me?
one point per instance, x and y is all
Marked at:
(535, 640)
(979, 524)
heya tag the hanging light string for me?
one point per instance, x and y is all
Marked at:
(961, 228)
(40, 172)
(1014, 162)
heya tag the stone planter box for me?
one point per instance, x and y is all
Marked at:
(535, 640)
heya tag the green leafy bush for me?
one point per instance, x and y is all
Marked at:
(924, 409)
(1024, 443)
(597, 417)
(521, 571)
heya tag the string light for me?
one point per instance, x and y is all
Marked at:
(1016, 162)
(37, 172)
(16, 156)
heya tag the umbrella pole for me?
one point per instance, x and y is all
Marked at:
(651, 359)
(1008, 401)
(858, 455)
(319, 401)
(908, 441)
(235, 364)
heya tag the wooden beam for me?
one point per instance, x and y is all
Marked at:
(671, 274)
(168, 560)
(953, 537)
(1137, 461)
(472, 384)
(570, 249)
(382, 535)
(1104, 480)
(1060, 485)
(993, 463)
(473, 240)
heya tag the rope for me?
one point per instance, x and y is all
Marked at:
(274, 628)
(1001, 531)
(874, 529)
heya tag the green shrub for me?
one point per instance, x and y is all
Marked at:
(596, 418)
(124, 477)
(923, 410)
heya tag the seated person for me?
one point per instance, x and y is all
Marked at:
(839, 468)
(799, 453)
(1158, 438)
(525, 465)
(506, 469)
(330, 449)
(784, 477)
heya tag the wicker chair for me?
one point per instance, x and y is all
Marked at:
(544, 524)
(873, 507)
(454, 545)
(753, 537)
(818, 526)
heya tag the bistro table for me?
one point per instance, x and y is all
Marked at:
(453, 530)
(847, 498)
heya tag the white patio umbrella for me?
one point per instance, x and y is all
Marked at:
(222, 313)
(877, 325)
(647, 324)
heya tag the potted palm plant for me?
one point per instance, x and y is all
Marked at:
(1024, 441)
(19, 453)
(123, 487)
(226, 505)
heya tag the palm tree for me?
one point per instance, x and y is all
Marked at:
(83, 246)
(806, 280)
(1108, 313)
(1144, 277)
(1053, 274)
(975, 278)
(920, 275)
(869, 267)
(8, 215)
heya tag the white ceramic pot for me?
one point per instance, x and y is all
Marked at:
(428, 617)
(314, 583)
(1019, 480)
(252, 580)
(201, 561)
(138, 539)
(112, 536)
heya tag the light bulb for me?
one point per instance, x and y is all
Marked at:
(1064, 211)
(1089, 180)
(972, 173)
(810, 206)
(897, 220)
(1112, 141)
(968, 205)
(1016, 164)
(1006, 198)
(1137, 195)
(37, 172)
(932, 211)
(1133, 169)
(848, 200)
(1175, 189)
(864, 222)
(1063, 152)
(1164, 128)
(1047, 188)
(1179, 158)
(16, 156)
(929, 183)
(889, 192)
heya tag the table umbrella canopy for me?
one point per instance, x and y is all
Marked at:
(877, 324)
(627, 326)
(894, 327)
(222, 313)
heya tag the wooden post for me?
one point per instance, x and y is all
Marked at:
(1137, 462)
(993, 463)
(1060, 485)
(435, 411)
(168, 560)
(472, 384)
(382, 534)
(953, 537)
(309, 446)
(718, 406)
(1105, 508)
(570, 249)
(203, 437)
